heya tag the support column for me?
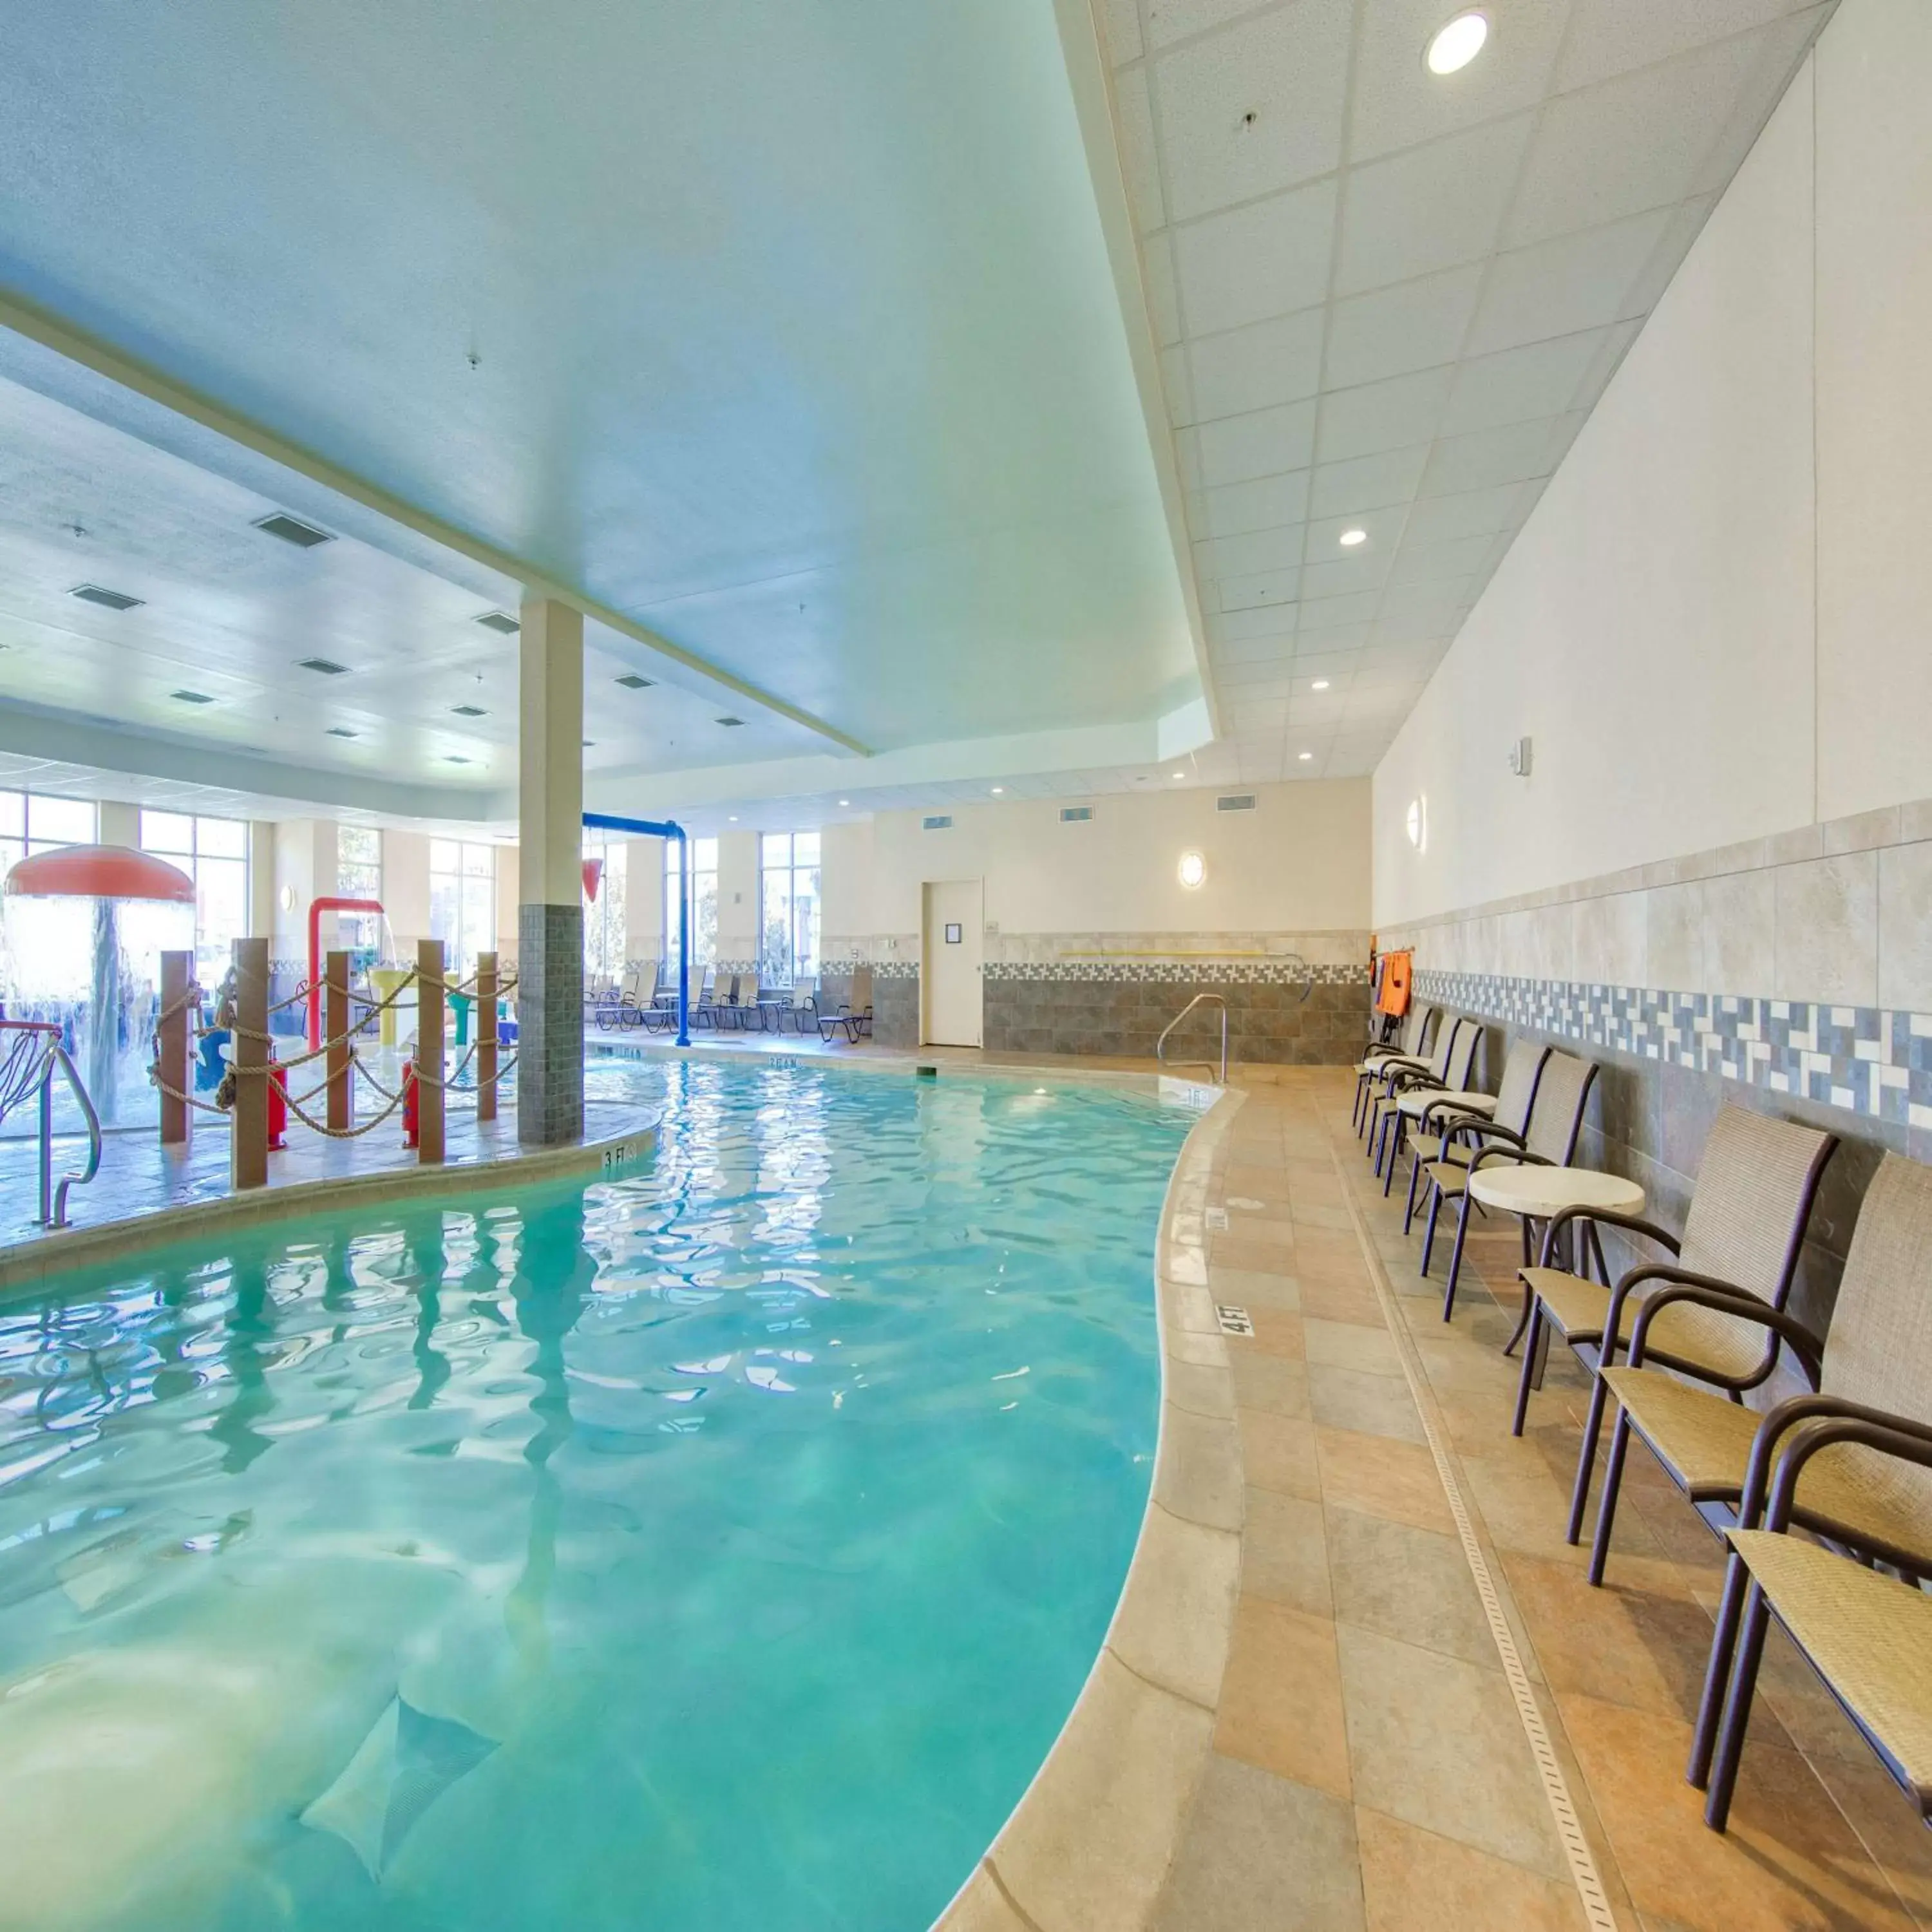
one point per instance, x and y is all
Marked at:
(550, 915)
(248, 1121)
(486, 1035)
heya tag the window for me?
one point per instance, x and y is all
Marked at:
(358, 875)
(214, 852)
(704, 909)
(788, 906)
(32, 822)
(462, 902)
(604, 918)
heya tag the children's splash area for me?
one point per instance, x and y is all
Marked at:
(719, 1537)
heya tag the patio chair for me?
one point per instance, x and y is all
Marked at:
(802, 1006)
(1442, 1178)
(703, 999)
(1418, 1036)
(743, 1001)
(1830, 1461)
(854, 1016)
(1549, 1140)
(1873, 1364)
(1394, 1076)
(1755, 1184)
(1412, 1095)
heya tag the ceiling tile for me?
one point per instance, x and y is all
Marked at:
(1321, 613)
(1424, 562)
(1413, 325)
(1254, 262)
(1431, 209)
(1384, 415)
(1178, 384)
(1445, 598)
(1234, 507)
(1484, 457)
(1265, 442)
(1257, 550)
(1163, 295)
(1275, 621)
(1367, 482)
(1398, 103)
(1468, 514)
(1681, 229)
(1584, 169)
(1252, 650)
(1120, 30)
(1171, 20)
(1382, 532)
(1339, 575)
(1611, 36)
(1139, 163)
(1267, 362)
(1559, 288)
(1782, 48)
(1514, 384)
(1254, 108)
(1263, 587)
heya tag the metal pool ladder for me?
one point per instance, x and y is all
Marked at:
(1199, 999)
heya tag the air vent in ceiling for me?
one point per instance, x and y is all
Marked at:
(468, 711)
(731, 724)
(292, 529)
(1235, 801)
(938, 824)
(342, 731)
(108, 600)
(453, 759)
(191, 697)
(499, 620)
(328, 667)
(1075, 814)
(630, 681)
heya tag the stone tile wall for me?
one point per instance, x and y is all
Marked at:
(549, 1024)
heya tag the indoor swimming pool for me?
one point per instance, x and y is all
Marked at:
(719, 1546)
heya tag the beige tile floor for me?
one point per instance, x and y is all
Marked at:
(1369, 1770)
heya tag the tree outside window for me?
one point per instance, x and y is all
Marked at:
(358, 875)
(214, 852)
(788, 907)
(704, 906)
(462, 902)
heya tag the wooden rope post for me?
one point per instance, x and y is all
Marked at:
(335, 1031)
(174, 1049)
(429, 1051)
(486, 1036)
(248, 1137)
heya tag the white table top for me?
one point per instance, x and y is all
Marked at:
(1419, 1099)
(1545, 1191)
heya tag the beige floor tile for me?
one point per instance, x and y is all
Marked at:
(982, 1906)
(1281, 1704)
(1268, 1382)
(1089, 1846)
(1276, 1334)
(1408, 1583)
(1174, 1617)
(1201, 1391)
(1525, 1508)
(1349, 1345)
(1252, 1289)
(1278, 1452)
(1370, 1405)
(1438, 1743)
(1414, 1881)
(1198, 1475)
(1285, 1553)
(1261, 1852)
(1230, 1251)
(1327, 1300)
(1888, 1824)
(1383, 1476)
(1789, 1863)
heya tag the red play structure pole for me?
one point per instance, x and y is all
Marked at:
(317, 908)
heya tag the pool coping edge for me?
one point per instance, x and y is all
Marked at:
(1089, 1844)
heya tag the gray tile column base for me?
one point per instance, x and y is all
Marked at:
(549, 1024)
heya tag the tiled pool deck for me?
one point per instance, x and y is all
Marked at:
(1302, 1717)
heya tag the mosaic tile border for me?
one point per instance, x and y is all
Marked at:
(1273, 972)
(1873, 1061)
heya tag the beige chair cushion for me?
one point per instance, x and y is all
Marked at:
(1580, 1309)
(1705, 1440)
(1450, 1177)
(1577, 1307)
(1870, 1636)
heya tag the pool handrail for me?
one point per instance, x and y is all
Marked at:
(40, 1082)
(1199, 999)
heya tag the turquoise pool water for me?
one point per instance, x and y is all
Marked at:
(719, 1546)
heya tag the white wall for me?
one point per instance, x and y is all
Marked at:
(1297, 863)
(304, 869)
(406, 889)
(1713, 626)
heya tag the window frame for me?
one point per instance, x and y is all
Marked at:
(212, 956)
(798, 959)
(470, 882)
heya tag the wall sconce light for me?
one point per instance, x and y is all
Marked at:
(1192, 870)
(1519, 757)
(1417, 823)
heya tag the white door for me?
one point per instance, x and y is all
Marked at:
(949, 975)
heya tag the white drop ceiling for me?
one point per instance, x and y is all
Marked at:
(1386, 300)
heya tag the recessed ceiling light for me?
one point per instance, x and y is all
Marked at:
(1349, 539)
(1320, 684)
(108, 600)
(1304, 756)
(732, 817)
(499, 620)
(191, 697)
(844, 802)
(292, 529)
(997, 790)
(1181, 774)
(1458, 43)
